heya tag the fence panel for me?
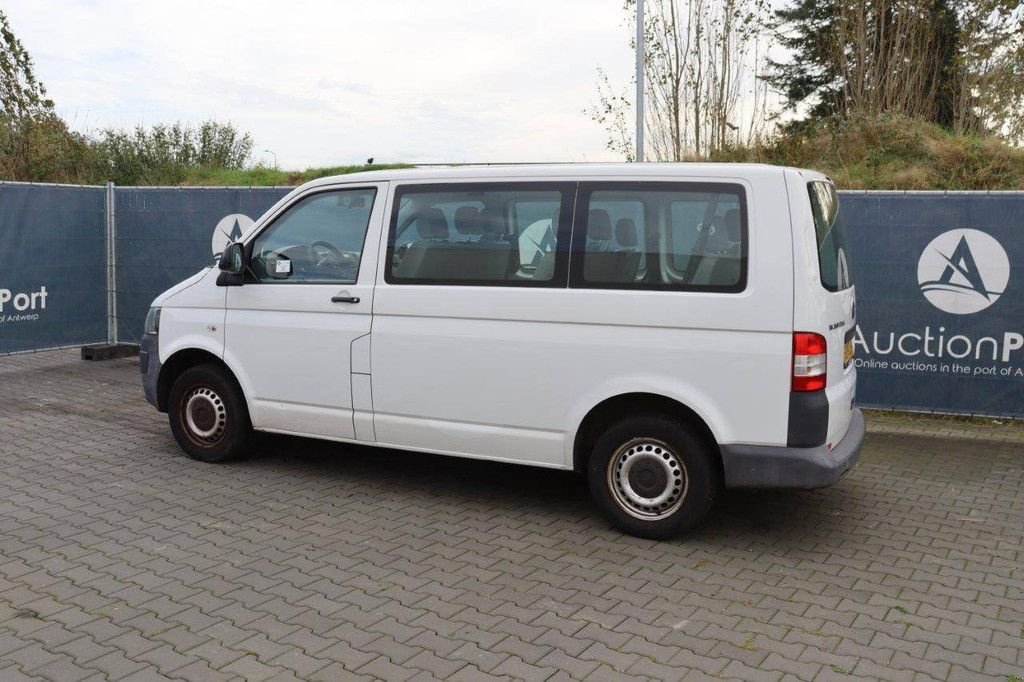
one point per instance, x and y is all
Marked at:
(940, 295)
(940, 300)
(164, 235)
(52, 266)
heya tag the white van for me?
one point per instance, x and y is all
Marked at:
(666, 329)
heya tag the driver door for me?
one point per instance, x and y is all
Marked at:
(291, 329)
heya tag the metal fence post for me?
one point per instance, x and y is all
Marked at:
(640, 80)
(112, 348)
(111, 265)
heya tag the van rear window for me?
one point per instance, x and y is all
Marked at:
(684, 236)
(833, 256)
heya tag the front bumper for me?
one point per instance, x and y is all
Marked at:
(149, 366)
(765, 466)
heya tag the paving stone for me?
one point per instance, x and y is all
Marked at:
(335, 672)
(383, 669)
(518, 669)
(250, 668)
(120, 556)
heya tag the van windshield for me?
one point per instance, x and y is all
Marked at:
(833, 256)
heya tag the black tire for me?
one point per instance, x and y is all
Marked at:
(645, 459)
(218, 410)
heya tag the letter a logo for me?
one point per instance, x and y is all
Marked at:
(229, 229)
(963, 271)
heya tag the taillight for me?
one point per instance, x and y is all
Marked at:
(810, 361)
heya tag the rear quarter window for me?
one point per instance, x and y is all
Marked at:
(666, 236)
(830, 237)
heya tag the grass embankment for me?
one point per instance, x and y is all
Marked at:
(889, 153)
(893, 153)
(263, 177)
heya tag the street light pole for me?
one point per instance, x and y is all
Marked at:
(275, 156)
(639, 80)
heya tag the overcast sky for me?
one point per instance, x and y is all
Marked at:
(325, 83)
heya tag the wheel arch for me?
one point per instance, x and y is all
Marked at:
(182, 360)
(632, 404)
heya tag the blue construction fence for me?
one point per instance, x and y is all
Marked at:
(53, 283)
(939, 277)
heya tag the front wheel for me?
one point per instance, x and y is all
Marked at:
(652, 476)
(208, 415)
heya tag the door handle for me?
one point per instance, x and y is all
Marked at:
(344, 299)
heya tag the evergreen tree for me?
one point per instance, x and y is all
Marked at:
(806, 30)
(950, 62)
(851, 57)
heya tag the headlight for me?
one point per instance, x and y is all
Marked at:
(153, 321)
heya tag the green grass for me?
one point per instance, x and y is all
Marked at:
(260, 176)
(892, 153)
(884, 153)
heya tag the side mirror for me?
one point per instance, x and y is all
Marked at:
(232, 266)
(232, 259)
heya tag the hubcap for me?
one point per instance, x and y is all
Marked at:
(205, 415)
(647, 479)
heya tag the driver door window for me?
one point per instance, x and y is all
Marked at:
(317, 240)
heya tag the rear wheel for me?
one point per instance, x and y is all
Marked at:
(652, 476)
(208, 415)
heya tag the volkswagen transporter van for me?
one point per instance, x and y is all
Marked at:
(667, 330)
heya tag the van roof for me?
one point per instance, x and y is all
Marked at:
(563, 170)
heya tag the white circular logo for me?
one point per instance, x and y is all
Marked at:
(963, 271)
(229, 229)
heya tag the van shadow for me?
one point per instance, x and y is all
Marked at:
(560, 497)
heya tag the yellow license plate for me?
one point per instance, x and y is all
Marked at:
(847, 352)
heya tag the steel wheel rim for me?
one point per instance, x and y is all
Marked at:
(648, 480)
(204, 416)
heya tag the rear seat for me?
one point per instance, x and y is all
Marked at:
(467, 222)
(618, 266)
(483, 259)
(720, 265)
(432, 228)
(545, 269)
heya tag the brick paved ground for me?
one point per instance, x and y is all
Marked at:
(120, 558)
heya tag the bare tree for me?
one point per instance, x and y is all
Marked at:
(990, 66)
(21, 94)
(891, 55)
(702, 93)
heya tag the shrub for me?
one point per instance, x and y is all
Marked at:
(43, 149)
(166, 154)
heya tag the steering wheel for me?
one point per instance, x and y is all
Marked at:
(333, 252)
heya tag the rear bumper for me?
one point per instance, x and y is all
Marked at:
(149, 366)
(764, 466)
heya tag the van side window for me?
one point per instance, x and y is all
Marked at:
(672, 236)
(484, 234)
(833, 258)
(319, 239)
